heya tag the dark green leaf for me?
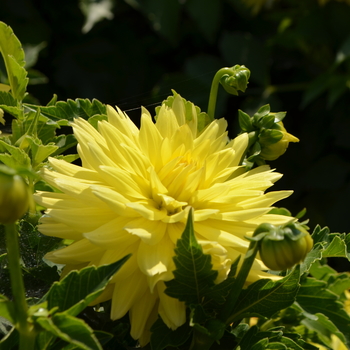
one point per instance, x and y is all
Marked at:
(162, 336)
(70, 329)
(193, 275)
(266, 297)
(314, 298)
(69, 110)
(79, 288)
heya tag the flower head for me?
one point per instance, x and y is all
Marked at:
(133, 193)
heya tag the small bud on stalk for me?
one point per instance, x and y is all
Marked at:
(272, 151)
(14, 196)
(283, 247)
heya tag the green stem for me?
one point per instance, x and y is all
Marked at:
(226, 314)
(214, 91)
(25, 329)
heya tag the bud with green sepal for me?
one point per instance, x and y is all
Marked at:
(268, 139)
(284, 246)
(14, 196)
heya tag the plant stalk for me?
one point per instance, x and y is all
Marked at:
(25, 329)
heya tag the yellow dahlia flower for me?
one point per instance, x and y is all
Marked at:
(133, 193)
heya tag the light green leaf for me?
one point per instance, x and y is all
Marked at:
(15, 157)
(266, 297)
(13, 55)
(71, 329)
(79, 288)
(39, 152)
(324, 327)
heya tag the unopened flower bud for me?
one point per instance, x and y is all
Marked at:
(284, 247)
(14, 197)
(272, 151)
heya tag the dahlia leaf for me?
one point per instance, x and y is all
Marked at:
(10, 340)
(314, 298)
(79, 288)
(162, 336)
(71, 329)
(7, 309)
(70, 110)
(193, 275)
(266, 297)
(13, 55)
(7, 99)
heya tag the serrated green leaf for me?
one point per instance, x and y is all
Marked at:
(266, 297)
(64, 143)
(6, 99)
(340, 284)
(15, 158)
(314, 298)
(337, 248)
(83, 108)
(71, 329)
(79, 288)
(162, 336)
(324, 328)
(193, 275)
(39, 152)
(19, 78)
(13, 55)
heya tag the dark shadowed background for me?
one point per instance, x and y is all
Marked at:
(133, 52)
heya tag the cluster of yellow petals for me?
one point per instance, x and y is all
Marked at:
(133, 193)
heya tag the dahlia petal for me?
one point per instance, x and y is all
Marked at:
(241, 215)
(150, 232)
(171, 310)
(58, 200)
(146, 335)
(156, 259)
(265, 200)
(122, 181)
(76, 218)
(150, 139)
(166, 122)
(239, 144)
(115, 201)
(55, 229)
(204, 214)
(224, 238)
(111, 234)
(76, 253)
(127, 294)
(122, 122)
(148, 210)
(175, 231)
(76, 171)
(140, 312)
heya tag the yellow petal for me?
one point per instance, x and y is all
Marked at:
(171, 310)
(127, 294)
(140, 312)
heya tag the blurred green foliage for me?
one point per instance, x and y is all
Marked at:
(133, 52)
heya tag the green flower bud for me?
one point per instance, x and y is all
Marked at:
(14, 197)
(272, 149)
(284, 247)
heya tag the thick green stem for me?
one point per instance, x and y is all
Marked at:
(25, 329)
(214, 91)
(229, 306)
